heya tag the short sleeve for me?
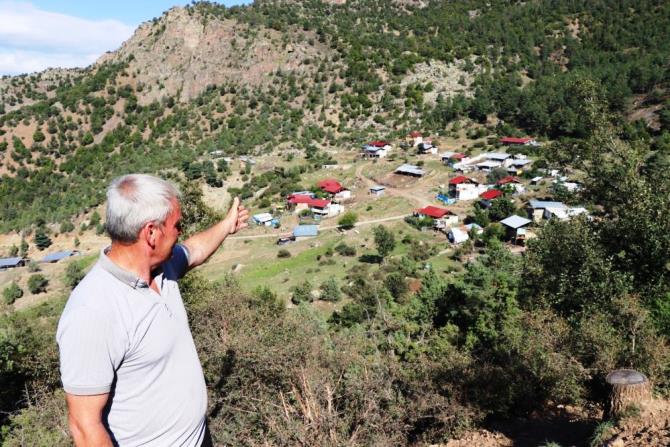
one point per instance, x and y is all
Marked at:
(177, 265)
(90, 351)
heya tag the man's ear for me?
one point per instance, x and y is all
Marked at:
(149, 233)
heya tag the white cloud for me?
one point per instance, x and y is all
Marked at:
(32, 39)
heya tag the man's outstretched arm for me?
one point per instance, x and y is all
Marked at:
(201, 245)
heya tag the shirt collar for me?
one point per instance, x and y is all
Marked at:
(119, 273)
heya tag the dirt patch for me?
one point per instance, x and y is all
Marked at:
(649, 428)
(563, 425)
(399, 181)
(448, 80)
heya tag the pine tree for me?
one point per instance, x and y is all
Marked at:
(42, 239)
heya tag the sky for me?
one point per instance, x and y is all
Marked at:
(38, 34)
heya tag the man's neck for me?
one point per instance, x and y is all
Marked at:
(131, 258)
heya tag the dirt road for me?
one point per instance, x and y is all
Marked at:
(330, 227)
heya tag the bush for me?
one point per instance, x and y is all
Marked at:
(12, 293)
(348, 220)
(283, 253)
(420, 222)
(33, 267)
(302, 293)
(330, 290)
(73, 274)
(37, 283)
(345, 250)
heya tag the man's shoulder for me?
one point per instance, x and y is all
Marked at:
(94, 289)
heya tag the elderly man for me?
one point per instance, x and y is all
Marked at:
(129, 366)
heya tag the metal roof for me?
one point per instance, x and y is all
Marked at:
(377, 188)
(500, 156)
(10, 262)
(262, 217)
(306, 230)
(515, 221)
(489, 164)
(543, 204)
(410, 169)
(57, 256)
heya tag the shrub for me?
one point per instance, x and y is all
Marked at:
(330, 290)
(12, 293)
(37, 283)
(301, 293)
(283, 253)
(73, 274)
(33, 267)
(345, 250)
(348, 220)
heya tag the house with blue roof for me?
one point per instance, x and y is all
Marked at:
(306, 231)
(10, 263)
(516, 227)
(59, 255)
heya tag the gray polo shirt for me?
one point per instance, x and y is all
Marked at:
(118, 336)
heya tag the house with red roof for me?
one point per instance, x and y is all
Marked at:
(432, 211)
(330, 185)
(319, 207)
(507, 180)
(511, 182)
(443, 218)
(491, 194)
(461, 179)
(335, 189)
(514, 141)
(415, 137)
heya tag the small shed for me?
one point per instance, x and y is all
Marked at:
(306, 231)
(516, 227)
(457, 236)
(474, 226)
(426, 148)
(377, 190)
(262, 219)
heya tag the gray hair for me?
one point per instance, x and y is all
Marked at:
(134, 200)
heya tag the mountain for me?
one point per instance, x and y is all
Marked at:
(182, 53)
(317, 76)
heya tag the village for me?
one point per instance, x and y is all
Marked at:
(477, 181)
(452, 198)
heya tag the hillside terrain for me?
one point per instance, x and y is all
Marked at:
(543, 126)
